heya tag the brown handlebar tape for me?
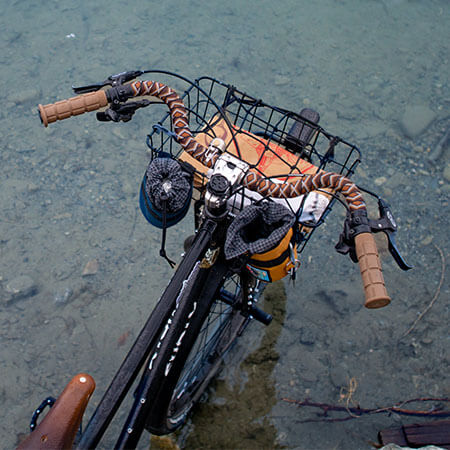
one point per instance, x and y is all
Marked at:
(72, 106)
(59, 427)
(253, 179)
(369, 263)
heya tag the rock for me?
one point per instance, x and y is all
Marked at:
(31, 187)
(128, 189)
(338, 299)
(415, 120)
(26, 96)
(380, 181)
(281, 80)
(21, 287)
(91, 268)
(361, 172)
(307, 336)
(63, 296)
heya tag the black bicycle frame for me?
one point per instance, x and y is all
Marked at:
(135, 423)
(136, 357)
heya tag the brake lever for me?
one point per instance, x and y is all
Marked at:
(123, 112)
(387, 224)
(354, 225)
(113, 80)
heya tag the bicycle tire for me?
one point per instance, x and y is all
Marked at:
(192, 346)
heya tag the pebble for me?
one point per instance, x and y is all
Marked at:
(416, 380)
(31, 187)
(91, 268)
(361, 172)
(63, 296)
(307, 336)
(380, 181)
(21, 287)
(128, 189)
(415, 120)
(281, 438)
(281, 80)
(26, 96)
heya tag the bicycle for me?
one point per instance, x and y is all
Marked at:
(256, 176)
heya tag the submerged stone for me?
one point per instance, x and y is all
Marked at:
(91, 268)
(21, 287)
(63, 296)
(415, 120)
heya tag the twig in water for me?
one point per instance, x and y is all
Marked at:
(435, 296)
(347, 394)
(357, 412)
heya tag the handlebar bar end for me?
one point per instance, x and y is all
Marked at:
(43, 115)
(72, 107)
(377, 302)
(372, 276)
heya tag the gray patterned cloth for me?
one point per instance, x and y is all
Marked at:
(257, 229)
(166, 180)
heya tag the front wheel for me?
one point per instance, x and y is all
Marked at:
(202, 327)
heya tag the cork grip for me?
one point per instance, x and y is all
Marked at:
(59, 427)
(369, 263)
(72, 107)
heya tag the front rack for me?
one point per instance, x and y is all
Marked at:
(216, 108)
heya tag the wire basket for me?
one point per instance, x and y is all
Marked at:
(271, 139)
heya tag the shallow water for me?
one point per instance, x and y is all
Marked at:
(68, 196)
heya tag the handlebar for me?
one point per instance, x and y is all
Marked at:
(371, 274)
(72, 107)
(59, 427)
(375, 291)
